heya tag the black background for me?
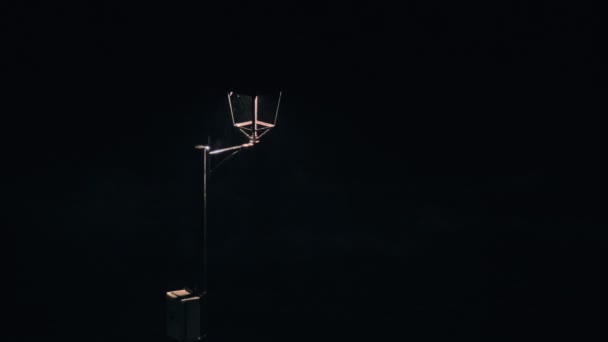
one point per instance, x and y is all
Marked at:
(435, 173)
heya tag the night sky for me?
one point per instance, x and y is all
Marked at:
(435, 174)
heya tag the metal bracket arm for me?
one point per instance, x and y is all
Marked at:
(222, 150)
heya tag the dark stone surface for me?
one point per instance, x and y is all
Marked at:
(434, 175)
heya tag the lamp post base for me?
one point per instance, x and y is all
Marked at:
(184, 317)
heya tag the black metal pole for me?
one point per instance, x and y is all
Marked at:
(205, 184)
(203, 274)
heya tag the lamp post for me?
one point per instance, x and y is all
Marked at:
(253, 114)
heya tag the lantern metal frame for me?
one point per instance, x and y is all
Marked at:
(253, 129)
